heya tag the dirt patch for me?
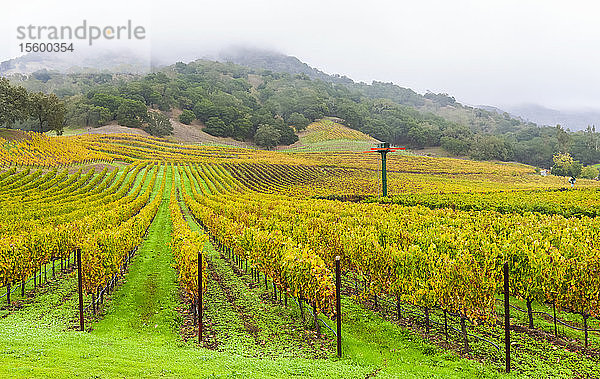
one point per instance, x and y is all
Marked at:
(98, 167)
(189, 328)
(193, 133)
(255, 80)
(113, 129)
(13, 134)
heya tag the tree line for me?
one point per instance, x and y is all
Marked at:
(270, 108)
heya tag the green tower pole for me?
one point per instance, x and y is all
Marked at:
(383, 173)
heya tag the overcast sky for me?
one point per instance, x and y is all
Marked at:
(491, 52)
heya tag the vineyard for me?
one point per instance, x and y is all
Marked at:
(229, 257)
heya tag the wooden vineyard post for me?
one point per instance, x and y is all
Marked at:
(554, 318)
(316, 319)
(199, 297)
(338, 305)
(8, 293)
(585, 329)
(446, 324)
(80, 287)
(506, 318)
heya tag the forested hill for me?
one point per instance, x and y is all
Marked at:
(269, 107)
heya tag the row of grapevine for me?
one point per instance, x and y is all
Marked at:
(54, 208)
(568, 203)
(36, 149)
(432, 258)
(22, 252)
(104, 250)
(185, 245)
(291, 266)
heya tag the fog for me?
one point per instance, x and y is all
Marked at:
(492, 52)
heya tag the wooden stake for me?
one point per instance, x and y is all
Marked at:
(446, 324)
(199, 297)
(506, 318)
(80, 287)
(338, 305)
(554, 311)
(316, 317)
(585, 330)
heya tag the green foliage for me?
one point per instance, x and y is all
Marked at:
(455, 145)
(267, 136)
(48, 110)
(14, 103)
(186, 117)
(491, 147)
(298, 120)
(589, 172)
(216, 127)
(159, 125)
(242, 127)
(205, 109)
(564, 165)
(132, 113)
(19, 106)
(563, 138)
(107, 101)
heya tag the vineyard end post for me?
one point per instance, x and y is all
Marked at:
(506, 318)
(554, 318)
(585, 330)
(338, 305)
(80, 288)
(199, 297)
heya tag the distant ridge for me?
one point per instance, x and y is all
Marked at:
(274, 61)
(574, 120)
(77, 62)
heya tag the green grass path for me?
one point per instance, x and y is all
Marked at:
(145, 306)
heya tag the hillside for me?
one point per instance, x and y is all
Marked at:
(234, 101)
(329, 134)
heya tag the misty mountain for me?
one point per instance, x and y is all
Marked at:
(491, 108)
(441, 104)
(79, 61)
(545, 116)
(277, 62)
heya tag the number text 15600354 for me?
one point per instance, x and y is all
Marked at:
(49, 47)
